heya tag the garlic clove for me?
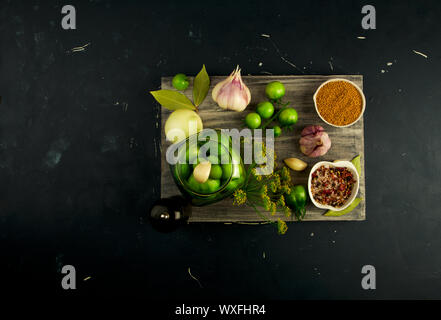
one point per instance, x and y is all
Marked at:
(232, 93)
(295, 164)
(202, 171)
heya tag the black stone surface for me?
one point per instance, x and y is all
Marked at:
(79, 167)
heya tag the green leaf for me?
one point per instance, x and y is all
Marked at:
(172, 100)
(201, 85)
(356, 163)
(352, 206)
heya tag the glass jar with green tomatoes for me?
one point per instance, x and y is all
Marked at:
(227, 171)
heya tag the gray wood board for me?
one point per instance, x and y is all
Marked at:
(346, 143)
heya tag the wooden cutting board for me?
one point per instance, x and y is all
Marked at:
(346, 144)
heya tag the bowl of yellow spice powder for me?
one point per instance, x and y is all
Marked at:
(339, 102)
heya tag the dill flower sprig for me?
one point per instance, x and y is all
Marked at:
(281, 226)
(266, 192)
(239, 197)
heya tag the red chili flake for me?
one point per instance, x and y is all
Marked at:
(332, 185)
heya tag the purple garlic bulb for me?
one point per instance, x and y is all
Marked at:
(314, 142)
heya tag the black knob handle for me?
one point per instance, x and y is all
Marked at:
(168, 214)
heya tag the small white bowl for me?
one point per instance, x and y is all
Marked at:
(363, 101)
(338, 164)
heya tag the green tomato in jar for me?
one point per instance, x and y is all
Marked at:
(184, 170)
(193, 184)
(210, 186)
(216, 171)
(227, 170)
(231, 170)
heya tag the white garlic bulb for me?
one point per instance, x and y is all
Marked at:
(232, 93)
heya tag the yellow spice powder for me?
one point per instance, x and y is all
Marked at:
(339, 103)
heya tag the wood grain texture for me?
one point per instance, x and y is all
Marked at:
(346, 144)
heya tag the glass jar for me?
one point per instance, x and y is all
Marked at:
(227, 169)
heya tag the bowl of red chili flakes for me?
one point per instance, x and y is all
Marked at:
(333, 185)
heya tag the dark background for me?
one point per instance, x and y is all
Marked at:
(79, 167)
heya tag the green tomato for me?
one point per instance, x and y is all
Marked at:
(265, 109)
(180, 82)
(277, 131)
(275, 90)
(210, 186)
(193, 184)
(184, 170)
(253, 120)
(227, 170)
(297, 198)
(288, 117)
(216, 171)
